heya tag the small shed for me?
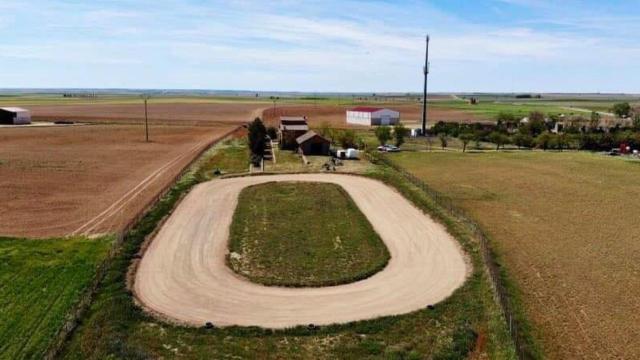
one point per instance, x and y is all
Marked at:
(370, 116)
(14, 116)
(291, 127)
(312, 143)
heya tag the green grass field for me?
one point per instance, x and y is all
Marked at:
(40, 282)
(565, 225)
(490, 109)
(303, 234)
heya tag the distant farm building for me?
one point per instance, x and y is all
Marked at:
(372, 116)
(312, 143)
(14, 116)
(290, 129)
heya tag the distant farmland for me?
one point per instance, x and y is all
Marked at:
(566, 225)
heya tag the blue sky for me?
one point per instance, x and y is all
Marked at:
(288, 45)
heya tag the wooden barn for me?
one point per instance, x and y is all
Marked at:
(291, 128)
(312, 143)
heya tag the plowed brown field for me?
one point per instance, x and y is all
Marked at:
(167, 113)
(56, 181)
(335, 115)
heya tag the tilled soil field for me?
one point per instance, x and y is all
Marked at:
(335, 115)
(56, 181)
(159, 113)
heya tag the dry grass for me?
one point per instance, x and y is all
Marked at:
(567, 228)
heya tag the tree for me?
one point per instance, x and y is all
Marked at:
(622, 110)
(465, 137)
(636, 122)
(477, 138)
(347, 139)
(505, 121)
(256, 135)
(522, 140)
(536, 123)
(562, 141)
(326, 131)
(444, 141)
(499, 139)
(399, 133)
(543, 141)
(272, 132)
(383, 133)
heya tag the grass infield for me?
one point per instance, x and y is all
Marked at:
(302, 234)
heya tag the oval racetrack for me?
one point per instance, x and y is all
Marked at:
(183, 274)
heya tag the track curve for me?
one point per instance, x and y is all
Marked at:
(183, 274)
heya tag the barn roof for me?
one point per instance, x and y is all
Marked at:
(308, 136)
(293, 119)
(293, 123)
(368, 109)
(13, 109)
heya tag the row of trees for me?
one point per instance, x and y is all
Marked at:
(397, 133)
(348, 138)
(547, 140)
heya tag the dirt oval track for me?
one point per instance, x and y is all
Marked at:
(183, 275)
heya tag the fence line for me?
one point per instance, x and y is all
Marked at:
(501, 293)
(82, 305)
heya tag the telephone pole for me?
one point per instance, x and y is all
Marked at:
(424, 94)
(146, 119)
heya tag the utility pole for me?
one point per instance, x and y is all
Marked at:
(146, 119)
(424, 94)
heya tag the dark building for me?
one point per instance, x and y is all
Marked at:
(291, 127)
(14, 116)
(313, 144)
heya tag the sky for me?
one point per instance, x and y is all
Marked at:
(322, 46)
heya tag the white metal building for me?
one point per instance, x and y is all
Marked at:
(15, 116)
(370, 116)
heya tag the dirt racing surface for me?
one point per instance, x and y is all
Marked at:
(56, 181)
(335, 115)
(183, 274)
(166, 113)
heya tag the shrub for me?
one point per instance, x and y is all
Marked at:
(399, 133)
(383, 133)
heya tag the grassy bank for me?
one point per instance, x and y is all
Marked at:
(40, 282)
(563, 227)
(303, 234)
(466, 324)
(228, 157)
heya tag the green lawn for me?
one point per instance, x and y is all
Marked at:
(566, 227)
(40, 281)
(303, 234)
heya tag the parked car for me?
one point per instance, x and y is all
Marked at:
(388, 148)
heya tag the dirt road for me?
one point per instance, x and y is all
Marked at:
(183, 274)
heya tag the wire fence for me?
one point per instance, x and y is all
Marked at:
(74, 315)
(501, 294)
